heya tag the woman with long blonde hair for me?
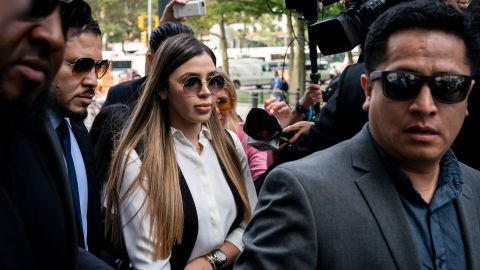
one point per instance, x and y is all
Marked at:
(226, 98)
(179, 192)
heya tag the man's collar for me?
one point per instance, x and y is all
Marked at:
(56, 119)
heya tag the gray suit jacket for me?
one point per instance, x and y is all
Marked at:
(339, 209)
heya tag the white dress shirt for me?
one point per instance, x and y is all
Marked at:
(214, 202)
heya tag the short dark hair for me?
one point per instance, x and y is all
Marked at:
(420, 14)
(93, 28)
(165, 31)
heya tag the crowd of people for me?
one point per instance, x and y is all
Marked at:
(384, 177)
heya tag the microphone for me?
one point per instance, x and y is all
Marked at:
(263, 130)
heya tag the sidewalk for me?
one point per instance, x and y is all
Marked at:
(243, 109)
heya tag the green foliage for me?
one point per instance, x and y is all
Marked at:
(331, 10)
(118, 18)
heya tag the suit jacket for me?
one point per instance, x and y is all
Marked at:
(125, 93)
(94, 220)
(339, 209)
(37, 228)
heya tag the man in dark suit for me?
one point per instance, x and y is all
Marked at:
(128, 92)
(73, 90)
(394, 196)
(37, 228)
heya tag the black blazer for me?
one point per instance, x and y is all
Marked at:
(95, 228)
(125, 93)
(37, 225)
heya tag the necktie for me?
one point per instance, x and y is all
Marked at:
(64, 135)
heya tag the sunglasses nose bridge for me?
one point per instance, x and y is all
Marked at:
(205, 85)
(424, 101)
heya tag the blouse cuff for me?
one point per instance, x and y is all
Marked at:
(235, 237)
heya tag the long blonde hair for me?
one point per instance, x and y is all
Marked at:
(233, 117)
(159, 173)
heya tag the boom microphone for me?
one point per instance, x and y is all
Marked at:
(263, 130)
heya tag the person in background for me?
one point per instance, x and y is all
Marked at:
(73, 89)
(179, 191)
(394, 196)
(106, 130)
(275, 87)
(226, 105)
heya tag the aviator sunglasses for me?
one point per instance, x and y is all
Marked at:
(404, 85)
(84, 65)
(193, 84)
(75, 14)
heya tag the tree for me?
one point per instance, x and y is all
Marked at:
(224, 12)
(118, 18)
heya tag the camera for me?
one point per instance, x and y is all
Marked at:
(344, 31)
(192, 8)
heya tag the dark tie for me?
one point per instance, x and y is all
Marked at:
(64, 134)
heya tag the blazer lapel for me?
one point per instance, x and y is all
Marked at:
(467, 212)
(382, 197)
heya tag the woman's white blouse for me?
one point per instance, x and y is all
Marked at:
(213, 199)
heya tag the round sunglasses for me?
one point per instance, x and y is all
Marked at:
(403, 85)
(84, 65)
(193, 84)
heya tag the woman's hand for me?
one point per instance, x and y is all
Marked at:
(199, 263)
(279, 109)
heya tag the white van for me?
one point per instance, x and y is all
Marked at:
(249, 72)
(324, 69)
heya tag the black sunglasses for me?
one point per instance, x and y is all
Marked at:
(76, 14)
(84, 65)
(193, 84)
(403, 85)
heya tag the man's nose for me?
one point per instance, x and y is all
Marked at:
(424, 103)
(48, 32)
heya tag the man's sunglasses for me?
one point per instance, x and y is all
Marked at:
(224, 104)
(404, 85)
(193, 84)
(76, 14)
(84, 65)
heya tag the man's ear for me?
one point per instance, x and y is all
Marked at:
(367, 89)
(150, 57)
(468, 95)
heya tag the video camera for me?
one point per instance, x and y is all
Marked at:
(344, 31)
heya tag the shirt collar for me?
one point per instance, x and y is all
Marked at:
(204, 132)
(449, 182)
(56, 119)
